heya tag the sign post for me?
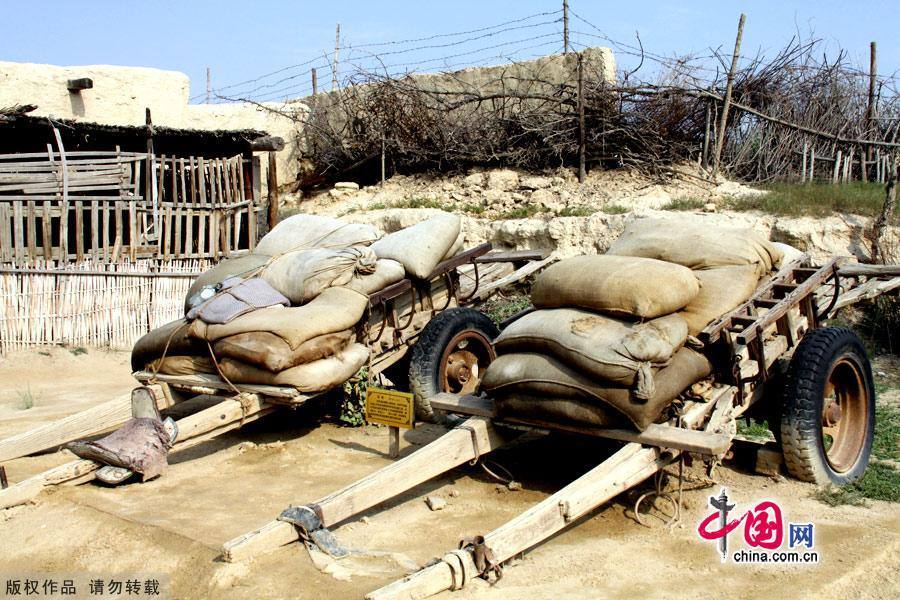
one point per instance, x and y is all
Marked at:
(391, 408)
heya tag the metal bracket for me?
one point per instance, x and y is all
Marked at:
(309, 526)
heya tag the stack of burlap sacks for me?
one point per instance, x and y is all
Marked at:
(609, 343)
(326, 268)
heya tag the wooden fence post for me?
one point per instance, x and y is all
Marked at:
(720, 138)
(581, 145)
(272, 183)
(803, 167)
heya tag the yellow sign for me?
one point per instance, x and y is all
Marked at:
(388, 407)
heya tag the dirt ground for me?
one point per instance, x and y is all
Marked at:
(177, 524)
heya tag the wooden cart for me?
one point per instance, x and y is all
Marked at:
(775, 334)
(424, 326)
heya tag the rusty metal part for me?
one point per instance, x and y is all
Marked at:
(845, 414)
(464, 360)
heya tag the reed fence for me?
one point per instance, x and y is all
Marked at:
(91, 303)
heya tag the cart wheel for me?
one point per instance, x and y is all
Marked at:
(828, 418)
(452, 353)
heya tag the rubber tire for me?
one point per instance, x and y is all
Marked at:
(424, 366)
(803, 397)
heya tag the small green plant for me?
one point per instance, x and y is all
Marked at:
(754, 429)
(26, 399)
(521, 212)
(615, 209)
(417, 202)
(78, 350)
(472, 208)
(499, 308)
(683, 204)
(378, 206)
(577, 211)
(353, 402)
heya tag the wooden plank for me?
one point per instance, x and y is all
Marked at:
(712, 331)
(95, 231)
(192, 430)
(18, 232)
(513, 256)
(204, 215)
(120, 226)
(790, 301)
(517, 275)
(6, 247)
(106, 220)
(79, 230)
(46, 235)
(92, 421)
(31, 221)
(454, 448)
(212, 381)
(624, 469)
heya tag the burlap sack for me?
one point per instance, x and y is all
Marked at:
(788, 253)
(541, 375)
(563, 411)
(721, 290)
(182, 365)
(692, 241)
(620, 352)
(241, 266)
(387, 272)
(335, 309)
(150, 346)
(617, 285)
(301, 232)
(268, 351)
(316, 376)
(421, 247)
(302, 275)
(457, 246)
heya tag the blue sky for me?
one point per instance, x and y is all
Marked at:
(243, 40)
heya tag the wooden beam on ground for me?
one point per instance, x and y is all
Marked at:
(624, 469)
(466, 442)
(92, 421)
(513, 256)
(213, 382)
(268, 143)
(514, 277)
(192, 430)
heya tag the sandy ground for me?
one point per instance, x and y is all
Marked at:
(176, 524)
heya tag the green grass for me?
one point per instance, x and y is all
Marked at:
(522, 212)
(472, 208)
(881, 482)
(887, 433)
(417, 202)
(814, 199)
(577, 211)
(683, 204)
(615, 209)
(500, 308)
(78, 350)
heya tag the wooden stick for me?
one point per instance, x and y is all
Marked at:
(474, 438)
(729, 85)
(192, 430)
(624, 469)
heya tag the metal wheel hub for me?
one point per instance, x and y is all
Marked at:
(844, 414)
(465, 358)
